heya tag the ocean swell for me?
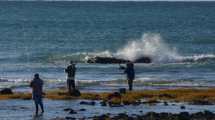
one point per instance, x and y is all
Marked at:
(149, 45)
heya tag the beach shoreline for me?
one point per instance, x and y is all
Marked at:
(172, 103)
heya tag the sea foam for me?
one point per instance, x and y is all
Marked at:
(151, 45)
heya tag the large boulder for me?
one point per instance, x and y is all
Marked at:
(143, 60)
(6, 91)
(88, 103)
(106, 60)
(114, 60)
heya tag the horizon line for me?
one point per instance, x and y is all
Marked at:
(112, 0)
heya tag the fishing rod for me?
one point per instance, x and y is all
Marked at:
(58, 65)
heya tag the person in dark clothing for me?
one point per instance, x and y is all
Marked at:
(129, 70)
(37, 92)
(70, 70)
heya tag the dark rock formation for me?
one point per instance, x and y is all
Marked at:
(70, 118)
(103, 103)
(106, 60)
(113, 60)
(206, 115)
(122, 116)
(6, 91)
(143, 60)
(166, 103)
(184, 116)
(67, 109)
(82, 109)
(182, 107)
(70, 110)
(101, 117)
(87, 103)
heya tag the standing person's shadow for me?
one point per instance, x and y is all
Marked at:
(38, 117)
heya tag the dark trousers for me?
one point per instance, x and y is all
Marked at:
(70, 85)
(38, 102)
(130, 84)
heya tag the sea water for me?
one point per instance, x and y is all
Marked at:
(42, 37)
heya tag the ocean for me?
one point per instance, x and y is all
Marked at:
(42, 37)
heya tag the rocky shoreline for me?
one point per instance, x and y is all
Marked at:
(206, 115)
(124, 99)
(139, 115)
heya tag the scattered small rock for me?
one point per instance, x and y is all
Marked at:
(183, 107)
(70, 118)
(87, 103)
(184, 116)
(136, 103)
(103, 103)
(6, 91)
(206, 115)
(82, 109)
(101, 117)
(72, 111)
(166, 103)
(67, 109)
(23, 108)
(122, 116)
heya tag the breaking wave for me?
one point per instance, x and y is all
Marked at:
(153, 46)
(150, 45)
(198, 58)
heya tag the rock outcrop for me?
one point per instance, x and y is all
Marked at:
(114, 60)
(6, 91)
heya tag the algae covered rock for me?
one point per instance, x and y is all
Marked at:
(6, 91)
